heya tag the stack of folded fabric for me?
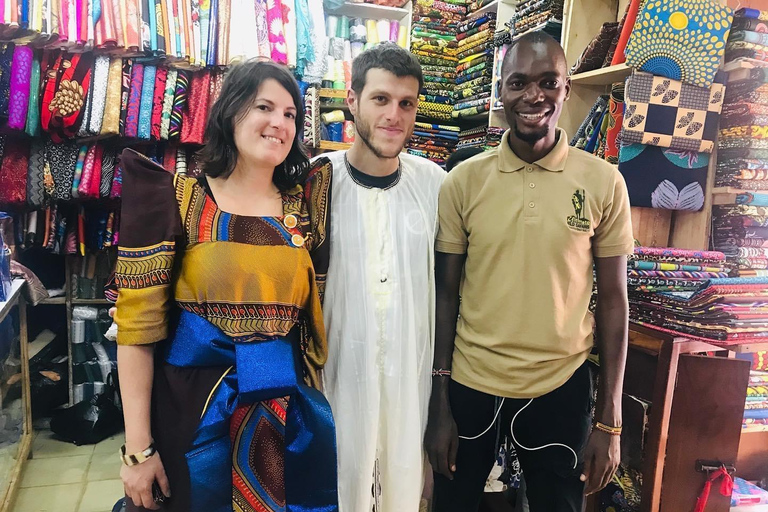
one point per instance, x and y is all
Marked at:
(434, 141)
(532, 15)
(741, 232)
(749, 36)
(756, 407)
(433, 41)
(493, 138)
(474, 71)
(687, 293)
(473, 137)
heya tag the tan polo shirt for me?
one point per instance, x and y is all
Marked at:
(530, 232)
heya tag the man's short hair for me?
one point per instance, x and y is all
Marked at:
(538, 36)
(389, 57)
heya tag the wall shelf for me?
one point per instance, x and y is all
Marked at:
(334, 146)
(602, 76)
(371, 11)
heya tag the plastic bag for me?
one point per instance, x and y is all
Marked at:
(90, 421)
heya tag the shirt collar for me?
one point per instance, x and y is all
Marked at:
(553, 161)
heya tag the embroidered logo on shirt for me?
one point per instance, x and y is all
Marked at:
(578, 222)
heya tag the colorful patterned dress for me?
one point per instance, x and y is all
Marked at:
(185, 267)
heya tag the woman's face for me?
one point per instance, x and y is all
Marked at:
(264, 134)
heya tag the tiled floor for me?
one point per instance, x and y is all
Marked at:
(62, 477)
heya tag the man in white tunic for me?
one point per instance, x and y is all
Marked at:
(379, 297)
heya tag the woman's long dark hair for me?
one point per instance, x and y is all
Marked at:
(241, 84)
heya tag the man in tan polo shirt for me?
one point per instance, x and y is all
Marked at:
(520, 229)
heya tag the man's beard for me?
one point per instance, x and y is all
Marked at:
(364, 132)
(533, 137)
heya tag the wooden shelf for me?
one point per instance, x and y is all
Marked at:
(334, 106)
(81, 302)
(334, 146)
(602, 76)
(371, 11)
(491, 7)
(332, 93)
(52, 301)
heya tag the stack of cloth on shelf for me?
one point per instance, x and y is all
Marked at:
(185, 33)
(743, 125)
(493, 139)
(533, 15)
(346, 38)
(433, 41)
(434, 141)
(473, 137)
(694, 300)
(72, 95)
(474, 71)
(599, 132)
(749, 36)
(756, 406)
(741, 232)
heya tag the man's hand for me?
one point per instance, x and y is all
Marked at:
(601, 459)
(442, 439)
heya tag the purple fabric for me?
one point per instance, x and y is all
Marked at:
(18, 102)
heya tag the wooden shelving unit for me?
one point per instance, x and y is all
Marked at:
(9, 484)
(334, 146)
(603, 76)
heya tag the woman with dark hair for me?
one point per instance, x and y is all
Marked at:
(220, 331)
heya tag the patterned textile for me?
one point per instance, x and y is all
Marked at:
(13, 172)
(752, 14)
(134, 101)
(751, 24)
(590, 123)
(680, 39)
(594, 54)
(36, 174)
(179, 104)
(668, 113)
(664, 178)
(161, 76)
(6, 62)
(101, 69)
(62, 158)
(107, 172)
(615, 120)
(196, 113)
(18, 101)
(110, 123)
(144, 128)
(750, 37)
(33, 111)
(64, 86)
(125, 93)
(170, 89)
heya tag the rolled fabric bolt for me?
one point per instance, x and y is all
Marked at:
(347, 61)
(371, 32)
(331, 26)
(402, 39)
(337, 48)
(340, 85)
(335, 131)
(382, 26)
(331, 68)
(343, 28)
(357, 49)
(357, 31)
(368, 46)
(327, 84)
(349, 132)
(334, 116)
(394, 30)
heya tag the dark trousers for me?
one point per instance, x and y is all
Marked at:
(563, 416)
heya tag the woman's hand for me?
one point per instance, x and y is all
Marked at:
(138, 480)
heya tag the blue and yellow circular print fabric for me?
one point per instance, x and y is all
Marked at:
(680, 39)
